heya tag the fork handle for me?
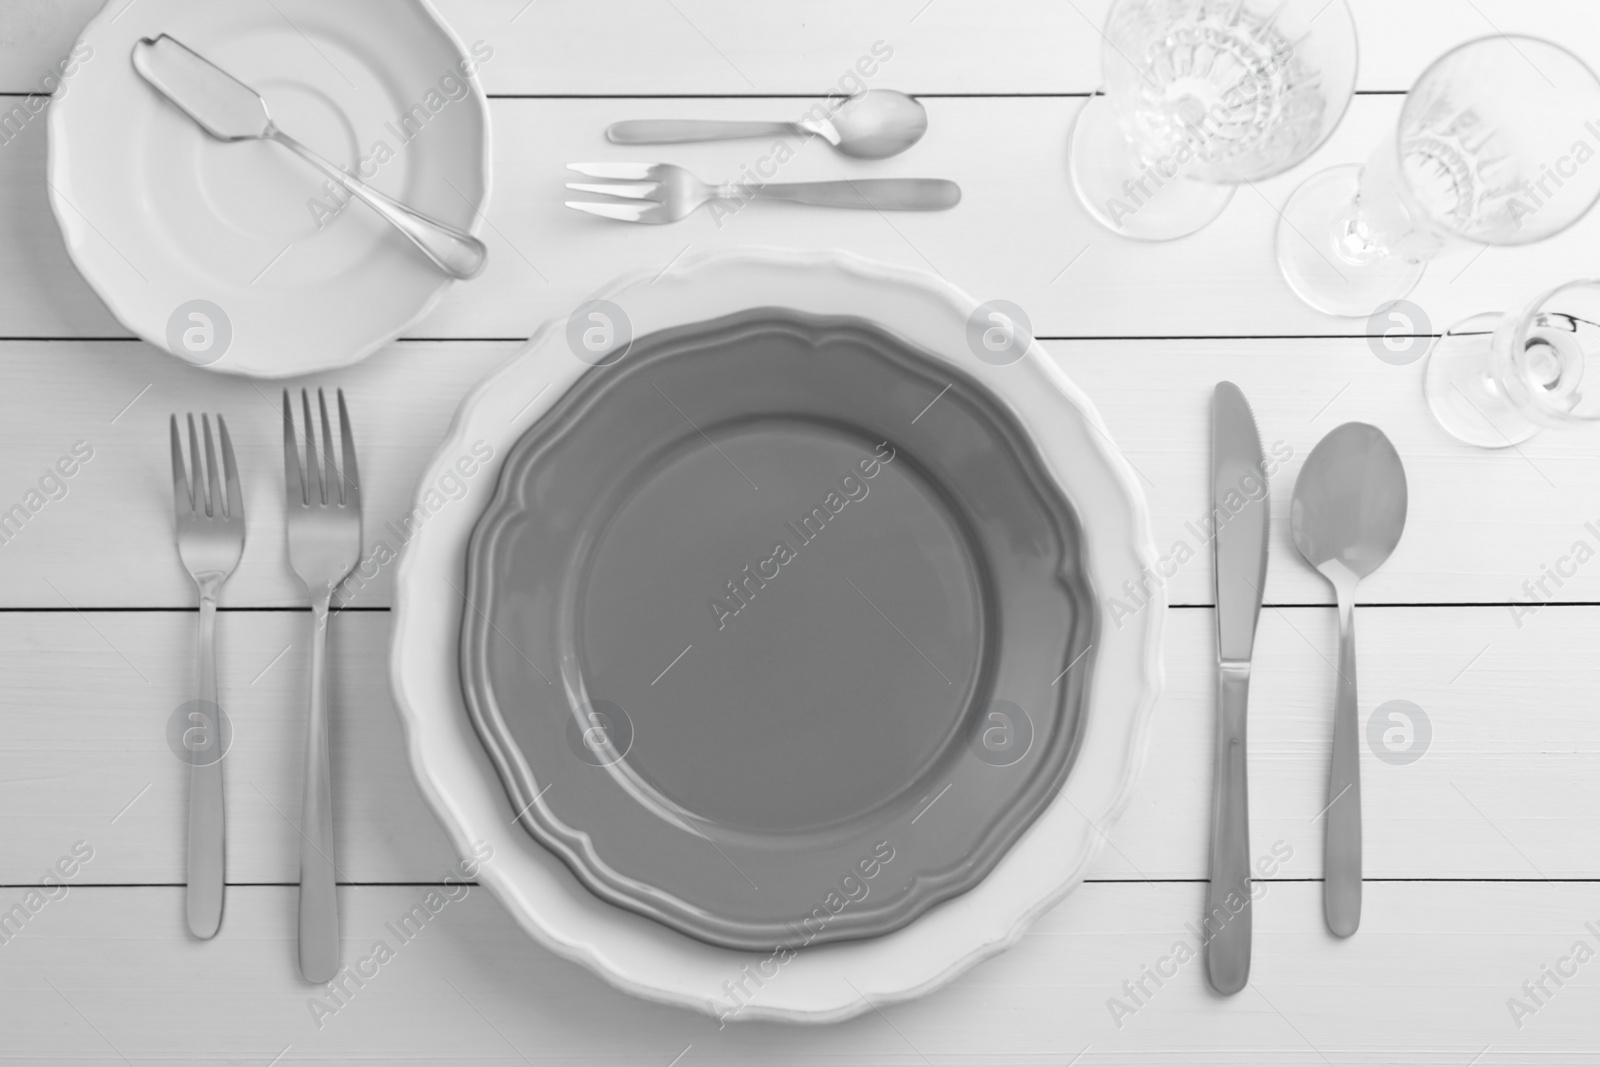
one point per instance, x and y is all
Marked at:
(203, 896)
(678, 131)
(883, 194)
(319, 905)
(458, 254)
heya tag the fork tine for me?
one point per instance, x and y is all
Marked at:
(316, 492)
(620, 212)
(182, 499)
(196, 486)
(294, 486)
(333, 493)
(614, 171)
(213, 481)
(347, 449)
(230, 472)
(630, 190)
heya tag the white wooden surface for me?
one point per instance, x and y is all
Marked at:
(1481, 857)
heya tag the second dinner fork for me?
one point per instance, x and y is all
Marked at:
(324, 532)
(670, 193)
(210, 534)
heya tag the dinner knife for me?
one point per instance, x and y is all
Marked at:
(1239, 510)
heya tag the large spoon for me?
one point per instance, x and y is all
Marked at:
(875, 124)
(1349, 511)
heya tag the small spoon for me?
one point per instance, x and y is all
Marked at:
(1348, 513)
(875, 124)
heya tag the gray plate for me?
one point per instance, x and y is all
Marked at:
(762, 652)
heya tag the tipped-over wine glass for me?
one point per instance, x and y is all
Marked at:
(1496, 145)
(1200, 96)
(1496, 380)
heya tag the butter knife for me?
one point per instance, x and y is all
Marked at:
(1239, 501)
(230, 110)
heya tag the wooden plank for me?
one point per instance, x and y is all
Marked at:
(110, 976)
(118, 509)
(89, 698)
(1506, 785)
(108, 542)
(1019, 233)
(642, 47)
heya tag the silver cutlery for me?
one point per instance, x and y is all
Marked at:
(1238, 478)
(671, 192)
(229, 110)
(1348, 514)
(209, 516)
(875, 124)
(324, 533)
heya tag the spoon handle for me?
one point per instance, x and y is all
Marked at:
(1341, 897)
(677, 131)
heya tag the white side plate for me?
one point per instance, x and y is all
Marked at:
(217, 251)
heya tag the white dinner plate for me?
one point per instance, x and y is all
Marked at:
(236, 256)
(794, 980)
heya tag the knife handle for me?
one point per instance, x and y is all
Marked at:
(1227, 921)
(1341, 853)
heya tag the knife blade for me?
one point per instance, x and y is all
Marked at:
(224, 106)
(1240, 509)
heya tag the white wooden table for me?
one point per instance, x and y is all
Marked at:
(1482, 858)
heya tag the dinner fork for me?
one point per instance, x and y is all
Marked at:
(673, 192)
(323, 509)
(210, 534)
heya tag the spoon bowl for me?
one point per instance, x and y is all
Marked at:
(878, 123)
(1350, 501)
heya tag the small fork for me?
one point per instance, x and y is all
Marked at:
(210, 534)
(673, 192)
(323, 510)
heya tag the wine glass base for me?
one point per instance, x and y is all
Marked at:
(1129, 195)
(1314, 257)
(1461, 393)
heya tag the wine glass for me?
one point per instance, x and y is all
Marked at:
(1495, 380)
(1200, 96)
(1495, 146)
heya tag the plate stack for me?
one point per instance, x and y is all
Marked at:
(775, 662)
